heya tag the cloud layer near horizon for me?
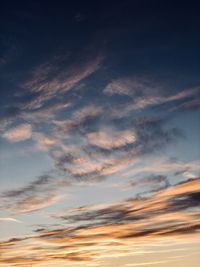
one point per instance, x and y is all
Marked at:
(93, 231)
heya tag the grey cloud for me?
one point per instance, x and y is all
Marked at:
(37, 195)
(183, 197)
(157, 181)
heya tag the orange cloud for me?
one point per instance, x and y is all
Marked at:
(122, 229)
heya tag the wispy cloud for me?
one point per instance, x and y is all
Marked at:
(49, 79)
(7, 219)
(161, 165)
(37, 195)
(145, 93)
(36, 202)
(147, 263)
(152, 182)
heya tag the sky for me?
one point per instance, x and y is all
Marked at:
(99, 133)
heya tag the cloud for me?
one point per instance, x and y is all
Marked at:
(44, 114)
(114, 139)
(73, 74)
(87, 149)
(49, 79)
(147, 263)
(143, 102)
(128, 228)
(86, 142)
(145, 93)
(19, 133)
(89, 157)
(190, 104)
(95, 150)
(43, 142)
(36, 202)
(87, 112)
(44, 92)
(133, 86)
(80, 118)
(95, 125)
(180, 198)
(153, 182)
(157, 166)
(7, 219)
(122, 86)
(37, 195)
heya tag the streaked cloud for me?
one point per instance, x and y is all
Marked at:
(37, 195)
(152, 182)
(36, 202)
(7, 219)
(145, 93)
(164, 166)
(47, 83)
(147, 263)
(125, 228)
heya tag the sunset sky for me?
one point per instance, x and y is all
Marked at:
(99, 133)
